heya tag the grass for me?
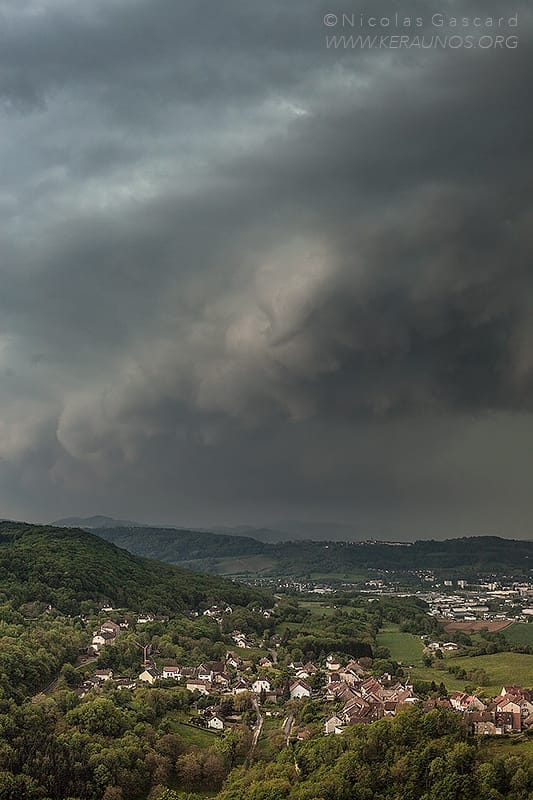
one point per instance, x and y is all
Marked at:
(519, 633)
(245, 565)
(428, 674)
(248, 653)
(271, 729)
(318, 609)
(404, 647)
(192, 735)
(502, 746)
(502, 668)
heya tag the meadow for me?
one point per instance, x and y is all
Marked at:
(403, 647)
(519, 633)
(501, 668)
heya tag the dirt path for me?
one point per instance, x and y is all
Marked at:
(287, 728)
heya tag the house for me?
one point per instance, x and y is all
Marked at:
(516, 691)
(266, 663)
(371, 687)
(124, 683)
(481, 723)
(241, 686)
(188, 672)
(233, 661)
(171, 670)
(461, 701)
(339, 691)
(215, 722)
(355, 667)
(333, 725)
(149, 675)
(204, 673)
(261, 684)
(194, 684)
(103, 674)
(85, 688)
(300, 689)
(347, 676)
(101, 639)
(217, 668)
(332, 663)
(110, 627)
(296, 665)
(511, 705)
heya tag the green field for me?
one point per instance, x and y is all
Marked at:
(428, 674)
(245, 565)
(194, 735)
(318, 609)
(404, 647)
(519, 633)
(191, 734)
(271, 736)
(502, 668)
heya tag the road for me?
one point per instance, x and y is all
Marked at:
(287, 728)
(257, 730)
(82, 662)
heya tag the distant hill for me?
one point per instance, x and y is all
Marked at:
(237, 555)
(65, 566)
(179, 545)
(97, 521)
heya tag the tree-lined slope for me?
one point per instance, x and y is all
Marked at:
(64, 567)
(468, 555)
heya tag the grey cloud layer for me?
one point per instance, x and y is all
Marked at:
(244, 276)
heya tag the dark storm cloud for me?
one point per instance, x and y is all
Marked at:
(246, 276)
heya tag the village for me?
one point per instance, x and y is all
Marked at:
(344, 691)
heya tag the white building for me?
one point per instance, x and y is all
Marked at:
(216, 723)
(261, 684)
(300, 689)
(149, 675)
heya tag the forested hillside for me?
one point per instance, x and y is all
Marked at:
(415, 756)
(167, 544)
(65, 567)
(217, 553)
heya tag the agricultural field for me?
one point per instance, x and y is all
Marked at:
(428, 674)
(404, 647)
(502, 668)
(245, 565)
(493, 626)
(318, 609)
(519, 633)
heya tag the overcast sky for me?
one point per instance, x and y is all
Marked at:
(246, 277)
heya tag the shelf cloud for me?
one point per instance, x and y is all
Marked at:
(246, 276)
